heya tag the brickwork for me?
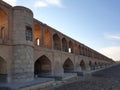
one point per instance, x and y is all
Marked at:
(24, 40)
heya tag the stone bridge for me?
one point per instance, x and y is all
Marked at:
(31, 49)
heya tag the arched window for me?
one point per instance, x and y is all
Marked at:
(64, 45)
(71, 47)
(38, 42)
(29, 33)
(56, 42)
(68, 66)
(42, 66)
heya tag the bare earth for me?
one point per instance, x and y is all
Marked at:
(108, 79)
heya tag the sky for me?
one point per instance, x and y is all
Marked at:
(95, 23)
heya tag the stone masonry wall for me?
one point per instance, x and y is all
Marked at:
(22, 63)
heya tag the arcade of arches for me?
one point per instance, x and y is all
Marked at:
(48, 52)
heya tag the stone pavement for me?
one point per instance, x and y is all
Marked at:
(108, 79)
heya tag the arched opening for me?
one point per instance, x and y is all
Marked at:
(64, 45)
(56, 42)
(42, 66)
(75, 48)
(90, 65)
(3, 25)
(3, 70)
(71, 47)
(37, 34)
(82, 65)
(68, 66)
(95, 65)
(100, 65)
(47, 38)
(38, 42)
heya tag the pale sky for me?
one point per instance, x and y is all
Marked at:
(95, 23)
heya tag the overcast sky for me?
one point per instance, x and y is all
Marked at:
(95, 23)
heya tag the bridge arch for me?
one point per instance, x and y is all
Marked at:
(99, 64)
(95, 65)
(90, 65)
(56, 42)
(3, 70)
(64, 45)
(42, 66)
(82, 65)
(68, 65)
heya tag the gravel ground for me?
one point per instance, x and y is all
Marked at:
(108, 79)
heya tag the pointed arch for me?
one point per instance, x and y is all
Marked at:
(90, 65)
(56, 42)
(95, 63)
(82, 65)
(64, 45)
(42, 66)
(3, 70)
(68, 65)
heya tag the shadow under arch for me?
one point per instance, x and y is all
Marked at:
(68, 66)
(82, 65)
(90, 65)
(42, 66)
(95, 65)
(3, 70)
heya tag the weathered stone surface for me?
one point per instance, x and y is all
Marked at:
(24, 40)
